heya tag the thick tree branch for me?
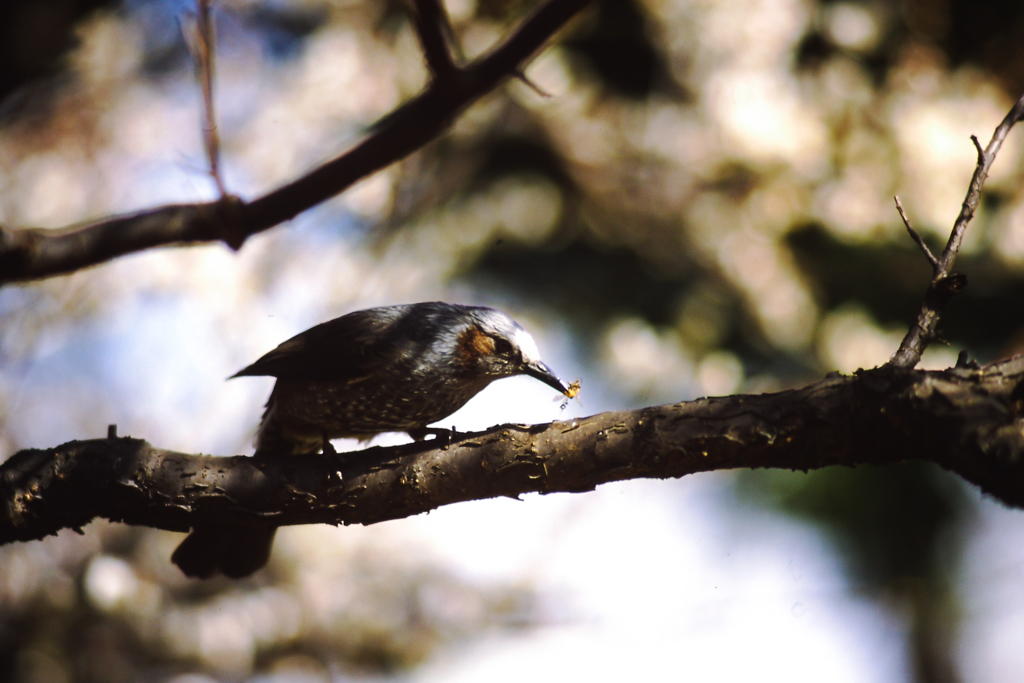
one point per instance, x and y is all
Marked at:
(969, 421)
(27, 254)
(945, 283)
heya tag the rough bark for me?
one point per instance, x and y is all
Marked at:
(969, 421)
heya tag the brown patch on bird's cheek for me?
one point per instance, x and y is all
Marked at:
(473, 345)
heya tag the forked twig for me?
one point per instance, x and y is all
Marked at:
(916, 237)
(945, 283)
(521, 75)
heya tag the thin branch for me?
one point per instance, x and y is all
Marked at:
(200, 37)
(962, 419)
(27, 254)
(977, 146)
(916, 237)
(435, 33)
(206, 43)
(945, 283)
(528, 82)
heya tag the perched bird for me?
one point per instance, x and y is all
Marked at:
(389, 369)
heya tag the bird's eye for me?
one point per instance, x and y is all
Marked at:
(502, 347)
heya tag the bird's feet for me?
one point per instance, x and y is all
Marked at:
(327, 447)
(438, 433)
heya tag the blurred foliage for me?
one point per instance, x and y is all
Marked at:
(892, 523)
(35, 36)
(698, 193)
(901, 529)
(886, 279)
(612, 44)
(108, 607)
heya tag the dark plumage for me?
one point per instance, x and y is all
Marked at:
(389, 369)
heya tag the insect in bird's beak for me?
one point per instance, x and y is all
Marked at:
(573, 390)
(539, 370)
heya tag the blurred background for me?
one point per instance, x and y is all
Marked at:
(695, 200)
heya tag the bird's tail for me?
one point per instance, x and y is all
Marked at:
(236, 550)
(274, 438)
(233, 551)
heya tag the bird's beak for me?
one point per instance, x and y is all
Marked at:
(542, 372)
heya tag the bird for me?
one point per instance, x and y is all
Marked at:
(388, 369)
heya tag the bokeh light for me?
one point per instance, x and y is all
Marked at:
(684, 198)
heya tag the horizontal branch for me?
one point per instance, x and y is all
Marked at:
(967, 420)
(27, 254)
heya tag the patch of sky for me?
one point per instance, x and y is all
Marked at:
(161, 22)
(155, 366)
(325, 224)
(282, 29)
(279, 28)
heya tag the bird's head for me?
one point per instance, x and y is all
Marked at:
(495, 346)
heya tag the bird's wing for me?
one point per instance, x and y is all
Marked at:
(340, 350)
